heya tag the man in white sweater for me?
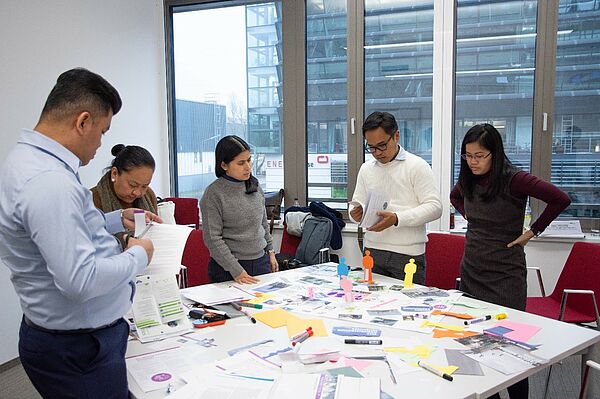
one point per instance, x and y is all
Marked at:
(414, 200)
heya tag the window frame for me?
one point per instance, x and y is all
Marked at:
(294, 119)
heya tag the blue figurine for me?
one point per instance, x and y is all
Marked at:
(343, 269)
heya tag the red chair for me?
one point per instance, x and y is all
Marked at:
(580, 277)
(574, 299)
(443, 254)
(289, 243)
(186, 211)
(195, 258)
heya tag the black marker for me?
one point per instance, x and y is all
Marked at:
(427, 367)
(363, 341)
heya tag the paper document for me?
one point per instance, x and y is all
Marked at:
(499, 354)
(563, 228)
(157, 370)
(210, 294)
(376, 201)
(157, 308)
(208, 383)
(248, 365)
(169, 241)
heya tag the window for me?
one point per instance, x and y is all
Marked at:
(495, 64)
(349, 59)
(398, 62)
(227, 86)
(576, 134)
(326, 101)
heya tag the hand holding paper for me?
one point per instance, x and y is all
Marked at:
(376, 202)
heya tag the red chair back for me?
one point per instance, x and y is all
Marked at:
(289, 243)
(443, 254)
(581, 272)
(186, 211)
(195, 258)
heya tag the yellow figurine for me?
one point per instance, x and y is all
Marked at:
(409, 269)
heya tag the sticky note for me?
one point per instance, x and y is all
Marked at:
(445, 369)
(438, 333)
(428, 323)
(422, 351)
(261, 298)
(273, 318)
(296, 325)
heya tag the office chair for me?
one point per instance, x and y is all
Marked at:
(289, 242)
(195, 260)
(273, 202)
(186, 211)
(588, 365)
(443, 254)
(574, 297)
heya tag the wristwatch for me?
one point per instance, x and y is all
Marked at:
(270, 251)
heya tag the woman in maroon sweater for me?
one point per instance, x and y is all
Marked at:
(492, 194)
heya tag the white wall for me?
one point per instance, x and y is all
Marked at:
(121, 40)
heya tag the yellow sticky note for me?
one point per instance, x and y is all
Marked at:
(273, 318)
(296, 325)
(422, 351)
(445, 369)
(428, 323)
(261, 299)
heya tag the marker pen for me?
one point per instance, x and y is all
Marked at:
(304, 337)
(363, 341)
(478, 320)
(237, 307)
(250, 305)
(300, 334)
(435, 371)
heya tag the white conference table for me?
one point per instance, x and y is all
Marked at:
(559, 340)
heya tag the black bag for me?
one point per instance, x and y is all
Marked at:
(287, 261)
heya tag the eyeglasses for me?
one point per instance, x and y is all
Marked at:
(475, 157)
(372, 148)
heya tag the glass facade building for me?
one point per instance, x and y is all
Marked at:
(494, 81)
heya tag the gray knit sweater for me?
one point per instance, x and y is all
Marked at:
(234, 224)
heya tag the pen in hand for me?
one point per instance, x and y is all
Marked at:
(237, 307)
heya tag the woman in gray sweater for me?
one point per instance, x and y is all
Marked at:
(234, 220)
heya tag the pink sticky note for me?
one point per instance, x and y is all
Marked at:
(358, 364)
(521, 332)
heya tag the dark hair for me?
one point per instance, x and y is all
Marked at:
(384, 120)
(227, 149)
(130, 157)
(78, 90)
(489, 138)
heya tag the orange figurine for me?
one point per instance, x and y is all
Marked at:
(368, 267)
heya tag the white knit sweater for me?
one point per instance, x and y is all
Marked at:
(414, 197)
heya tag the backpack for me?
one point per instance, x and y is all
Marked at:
(316, 235)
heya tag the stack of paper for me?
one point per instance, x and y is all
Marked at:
(212, 295)
(169, 242)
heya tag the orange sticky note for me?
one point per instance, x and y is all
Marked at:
(463, 316)
(296, 325)
(273, 318)
(438, 333)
